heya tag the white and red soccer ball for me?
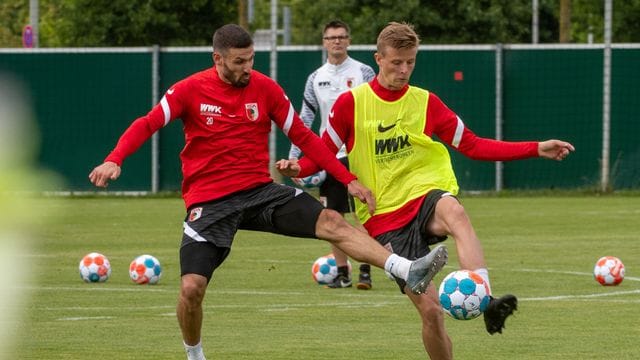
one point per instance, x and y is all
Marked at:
(145, 269)
(324, 270)
(464, 295)
(94, 267)
(609, 270)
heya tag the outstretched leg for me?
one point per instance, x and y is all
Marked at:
(450, 218)
(332, 227)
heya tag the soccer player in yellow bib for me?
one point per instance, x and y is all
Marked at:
(388, 127)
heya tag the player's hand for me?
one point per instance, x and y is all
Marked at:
(289, 168)
(554, 149)
(101, 175)
(363, 193)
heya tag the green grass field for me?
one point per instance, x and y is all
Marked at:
(262, 303)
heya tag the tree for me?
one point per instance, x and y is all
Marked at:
(438, 21)
(141, 23)
(626, 27)
(188, 23)
(119, 22)
(14, 15)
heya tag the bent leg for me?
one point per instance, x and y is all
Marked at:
(450, 218)
(434, 334)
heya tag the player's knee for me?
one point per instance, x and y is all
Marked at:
(452, 211)
(458, 211)
(330, 224)
(192, 288)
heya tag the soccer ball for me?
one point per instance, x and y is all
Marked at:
(94, 267)
(324, 269)
(609, 270)
(145, 269)
(464, 295)
(310, 181)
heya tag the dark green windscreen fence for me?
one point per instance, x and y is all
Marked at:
(625, 121)
(554, 94)
(84, 99)
(83, 102)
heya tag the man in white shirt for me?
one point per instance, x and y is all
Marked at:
(339, 74)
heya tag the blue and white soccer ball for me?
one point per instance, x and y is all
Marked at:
(310, 181)
(145, 269)
(324, 270)
(464, 295)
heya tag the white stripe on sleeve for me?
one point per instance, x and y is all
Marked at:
(457, 137)
(165, 109)
(334, 136)
(289, 121)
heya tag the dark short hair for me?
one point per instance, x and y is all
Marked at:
(231, 36)
(336, 24)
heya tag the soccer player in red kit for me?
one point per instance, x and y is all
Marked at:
(227, 113)
(388, 128)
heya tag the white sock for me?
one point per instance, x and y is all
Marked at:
(398, 266)
(484, 273)
(194, 352)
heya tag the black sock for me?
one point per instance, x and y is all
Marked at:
(365, 268)
(343, 270)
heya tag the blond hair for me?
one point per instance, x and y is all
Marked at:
(397, 36)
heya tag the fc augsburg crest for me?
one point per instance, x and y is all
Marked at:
(252, 111)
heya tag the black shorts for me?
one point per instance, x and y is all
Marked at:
(209, 228)
(412, 241)
(334, 195)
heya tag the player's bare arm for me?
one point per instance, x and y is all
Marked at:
(101, 174)
(555, 149)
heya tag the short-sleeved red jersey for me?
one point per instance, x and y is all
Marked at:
(226, 132)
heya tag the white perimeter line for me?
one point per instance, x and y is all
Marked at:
(571, 273)
(80, 318)
(587, 296)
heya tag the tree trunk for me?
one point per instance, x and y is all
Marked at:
(565, 21)
(242, 14)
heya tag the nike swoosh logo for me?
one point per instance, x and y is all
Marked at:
(170, 91)
(331, 114)
(385, 128)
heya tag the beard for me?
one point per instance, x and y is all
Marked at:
(236, 80)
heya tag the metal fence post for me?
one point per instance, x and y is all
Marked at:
(606, 98)
(155, 139)
(499, 164)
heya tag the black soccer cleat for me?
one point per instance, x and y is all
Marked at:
(339, 282)
(364, 281)
(498, 311)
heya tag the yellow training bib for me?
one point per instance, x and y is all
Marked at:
(391, 155)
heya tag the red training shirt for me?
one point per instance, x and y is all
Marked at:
(226, 132)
